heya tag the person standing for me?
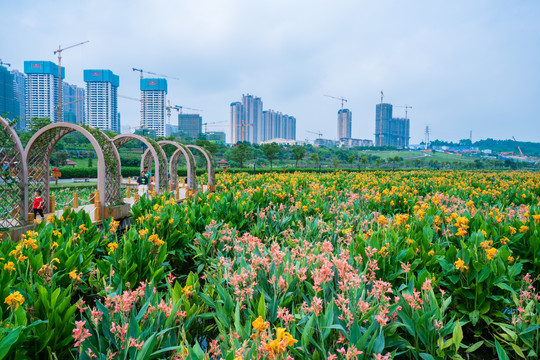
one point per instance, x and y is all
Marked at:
(38, 205)
(142, 181)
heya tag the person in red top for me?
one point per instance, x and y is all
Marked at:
(38, 205)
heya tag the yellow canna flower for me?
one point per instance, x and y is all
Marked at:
(14, 300)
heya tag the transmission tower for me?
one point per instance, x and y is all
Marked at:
(426, 135)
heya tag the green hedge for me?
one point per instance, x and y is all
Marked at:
(86, 172)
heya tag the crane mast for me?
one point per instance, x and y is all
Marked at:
(59, 52)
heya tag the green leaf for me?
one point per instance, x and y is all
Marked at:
(457, 335)
(261, 309)
(474, 346)
(474, 316)
(426, 356)
(505, 287)
(500, 351)
(9, 340)
(308, 331)
(144, 353)
(518, 350)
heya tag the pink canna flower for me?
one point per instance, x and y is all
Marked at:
(80, 333)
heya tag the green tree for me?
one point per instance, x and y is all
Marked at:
(90, 159)
(271, 151)
(37, 123)
(335, 162)
(315, 157)
(364, 160)
(351, 159)
(298, 153)
(59, 158)
(240, 153)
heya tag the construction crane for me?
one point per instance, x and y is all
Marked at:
(141, 71)
(59, 52)
(178, 109)
(342, 99)
(155, 74)
(3, 63)
(520, 152)
(168, 107)
(212, 123)
(316, 133)
(74, 101)
(407, 107)
(243, 125)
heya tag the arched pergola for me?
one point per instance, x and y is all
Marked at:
(173, 162)
(38, 154)
(13, 178)
(158, 156)
(209, 165)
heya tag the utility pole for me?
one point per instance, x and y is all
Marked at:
(59, 52)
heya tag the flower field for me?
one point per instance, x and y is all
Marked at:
(372, 265)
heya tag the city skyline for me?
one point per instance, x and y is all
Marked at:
(463, 67)
(249, 122)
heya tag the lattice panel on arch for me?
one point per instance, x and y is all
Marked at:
(38, 164)
(163, 169)
(113, 194)
(12, 206)
(174, 174)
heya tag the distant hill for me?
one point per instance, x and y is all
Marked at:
(528, 148)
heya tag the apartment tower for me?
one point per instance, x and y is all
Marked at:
(153, 105)
(102, 100)
(42, 89)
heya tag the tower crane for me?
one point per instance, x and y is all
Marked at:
(141, 71)
(155, 74)
(59, 52)
(211, 123)
(316, 133)
(406, 107)
(243, 125)
(342, 99)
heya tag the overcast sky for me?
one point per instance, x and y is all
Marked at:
(462, 65)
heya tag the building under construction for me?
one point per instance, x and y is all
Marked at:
(390, 131)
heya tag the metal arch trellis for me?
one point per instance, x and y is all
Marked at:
(13, 178)
(39, 149)
(209, 164)
(173, 162)
(157, 153)
(113, 173)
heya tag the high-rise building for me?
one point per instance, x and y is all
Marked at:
(276, 125)
(102, 100)
(42, 89)
(390, 131)
(190, 124)
(252, 107)
(257, 125)
(153, 105)
(19, 88)
(344, 123)
(399, 132)
(9, 107)
(73, 101)
(237, 119)
(383, 116)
